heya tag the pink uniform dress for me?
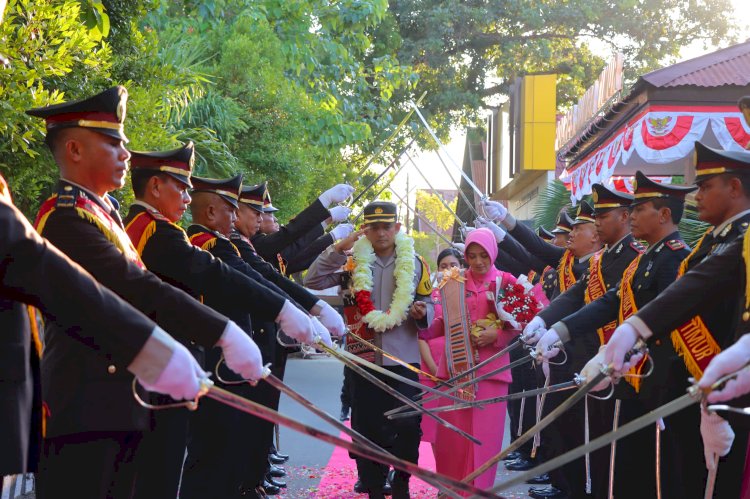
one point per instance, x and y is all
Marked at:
(437, 349)
(456, 456)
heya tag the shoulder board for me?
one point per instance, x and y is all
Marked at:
(424, 287)
(204, 240)
(675, 244)
(637, 246)
(743, 227)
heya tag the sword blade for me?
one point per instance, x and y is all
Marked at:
(519, 362)
(390, 138)
(263, 412)
(567, 404)
(393, 392)
(385, 372)
(602, 441)
(560, 387)
(486, 361)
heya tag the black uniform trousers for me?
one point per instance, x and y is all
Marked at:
(220, 439)
(89, 465)
(524, 379)
(346, 388)
(400, 437)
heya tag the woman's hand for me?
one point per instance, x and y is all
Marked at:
(485, 337)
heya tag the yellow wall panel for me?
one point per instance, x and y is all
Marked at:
(538, 119)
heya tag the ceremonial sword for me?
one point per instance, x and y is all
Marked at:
(255, 409)
(382, 146)
(693, 395)
(605, 372)
(395, 359)
(519, 362)
(421, 217)
(560, 387)
(381, 174)
(486, 361)
(429, 184)
(354, 366)
(395, 173)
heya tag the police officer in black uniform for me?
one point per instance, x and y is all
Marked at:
(33, 271)
(714, 287)
(656, 211)
(611, 212)
(91, 408)
(160, 183)
(214, 213)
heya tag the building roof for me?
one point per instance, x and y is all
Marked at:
(729, 66)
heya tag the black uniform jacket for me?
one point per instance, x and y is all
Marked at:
(613, 263)
(83, 391)
(656, 270)
(270, 245)
(168, 253)
(303, 252)
(35, 273)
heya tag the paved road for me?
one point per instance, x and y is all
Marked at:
(320, 381)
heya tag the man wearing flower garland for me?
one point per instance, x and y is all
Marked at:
(391, 286)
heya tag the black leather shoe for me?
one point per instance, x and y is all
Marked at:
(359, 488)
(539, 479)
(278, 454)
(344, 414)
(277, 459)
(513, 456)
(270, 489)
(548, 493)
(273, 481)
(277, 471)
(519, 464)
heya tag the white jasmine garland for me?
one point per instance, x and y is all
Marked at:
(403, 273)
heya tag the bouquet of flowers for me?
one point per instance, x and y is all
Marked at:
(518, 303)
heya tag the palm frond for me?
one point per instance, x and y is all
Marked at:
(552, 200)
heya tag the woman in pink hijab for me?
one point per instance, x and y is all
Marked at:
(455, 456)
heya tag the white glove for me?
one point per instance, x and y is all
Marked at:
(730, 360)
(331, 319)
(336, 194)
(321, 331)
(181, 378)
(533, 331)
(717, 437)
(498, 232)
(496, 211)
(295, 323)
(341, 231)
(240, 352)
(621, 342)
(594, 367)
(339, 213)
(544, 346)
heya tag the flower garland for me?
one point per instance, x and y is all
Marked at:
(364, 257)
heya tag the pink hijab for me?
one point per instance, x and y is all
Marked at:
(484, 238)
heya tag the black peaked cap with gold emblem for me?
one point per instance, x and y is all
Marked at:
(103, 113)
(253, 195)
(645, 189)
(177, 163)
(228, 188)
(584, 214)
(380, 211)
(564, 224)
(609, 199)
(268, 207)
(545, 234)
(710, 161)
